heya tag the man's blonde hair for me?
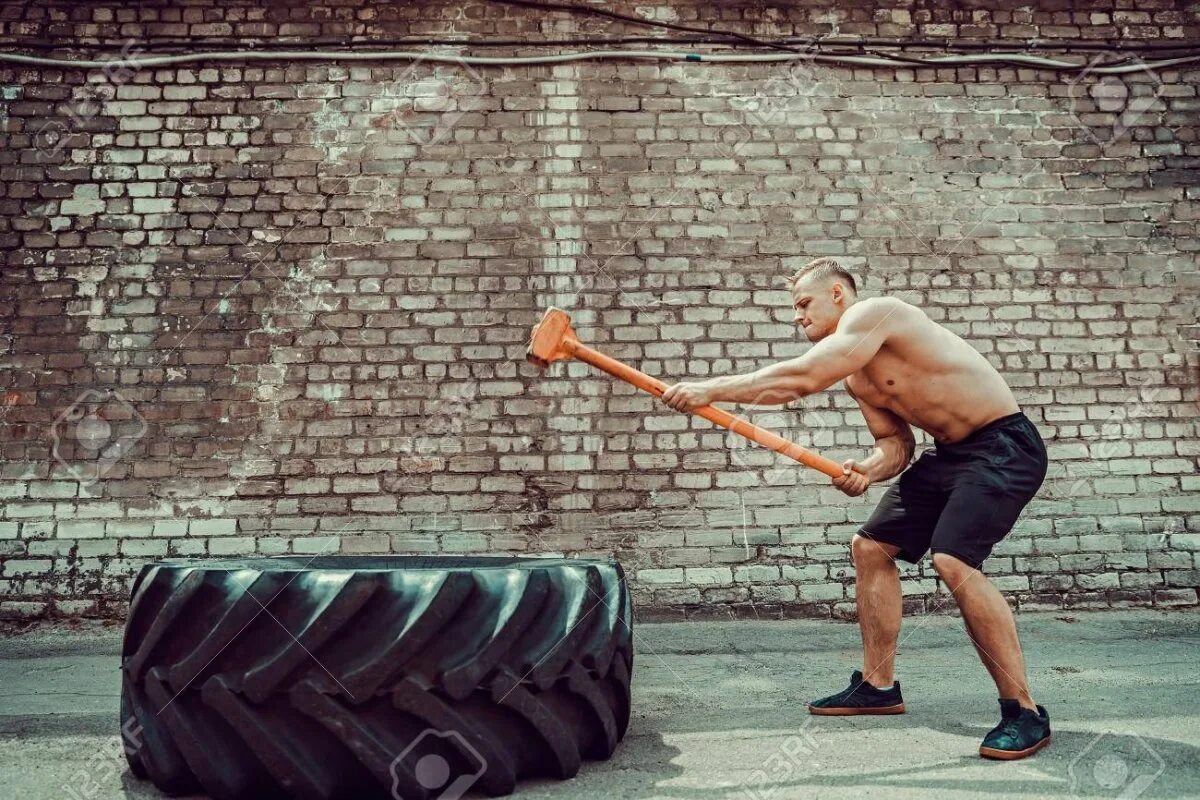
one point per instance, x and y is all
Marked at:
(824, 268)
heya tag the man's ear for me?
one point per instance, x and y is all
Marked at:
(839, 292)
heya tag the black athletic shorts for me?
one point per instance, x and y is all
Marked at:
(963, 498)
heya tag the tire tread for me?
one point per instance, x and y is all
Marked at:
(250, 681)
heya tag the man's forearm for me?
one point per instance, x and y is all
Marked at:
(890, 457)
(773, 385)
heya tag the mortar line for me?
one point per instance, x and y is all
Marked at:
(242, 279)
(262, 262)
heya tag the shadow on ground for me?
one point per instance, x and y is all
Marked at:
(719, 712)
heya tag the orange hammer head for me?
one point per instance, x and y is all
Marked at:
(552, 339)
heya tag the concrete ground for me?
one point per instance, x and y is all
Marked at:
(719, 713)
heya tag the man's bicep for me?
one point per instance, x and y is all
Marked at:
(839, 355)
(862, 332)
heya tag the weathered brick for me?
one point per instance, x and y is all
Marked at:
(660, 576)
(301, 404)
(80, 530)
(212, 527)
(709, 575)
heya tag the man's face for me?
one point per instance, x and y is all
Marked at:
(819, 304)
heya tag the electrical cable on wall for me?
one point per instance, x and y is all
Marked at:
(604, 12)
(828, 50)
(834, 43)
(982, 59)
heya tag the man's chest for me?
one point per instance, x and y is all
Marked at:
(880, 383)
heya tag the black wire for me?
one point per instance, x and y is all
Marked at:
(809, 42)
(275, 43)
(919, 62)
(997, 60)
(783, 43)
(603, 12)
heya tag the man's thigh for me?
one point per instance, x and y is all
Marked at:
(908, 512)
(983, 505)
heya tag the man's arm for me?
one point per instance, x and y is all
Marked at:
(894, 445)
(862, 331)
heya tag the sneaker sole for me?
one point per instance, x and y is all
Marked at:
(856, 712)
(1012, 755)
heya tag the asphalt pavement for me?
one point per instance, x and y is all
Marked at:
(719, 712)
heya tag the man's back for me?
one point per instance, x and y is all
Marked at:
(927, 375)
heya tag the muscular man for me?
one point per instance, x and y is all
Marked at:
(957, 500)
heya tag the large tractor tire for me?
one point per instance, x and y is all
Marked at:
(362, 677)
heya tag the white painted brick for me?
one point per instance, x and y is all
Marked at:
(431, 286)
(212, 527)
(93, 529)
(660, 576)
(709, 575)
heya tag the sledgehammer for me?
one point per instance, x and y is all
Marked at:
(553, 339)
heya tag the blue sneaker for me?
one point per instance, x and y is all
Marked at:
(1021, 732)
(859, 698)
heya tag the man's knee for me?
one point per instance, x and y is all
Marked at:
(868, 553)
(952, 570)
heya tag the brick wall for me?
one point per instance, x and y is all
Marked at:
(276, 307)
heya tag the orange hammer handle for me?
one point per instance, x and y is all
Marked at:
(715, 415)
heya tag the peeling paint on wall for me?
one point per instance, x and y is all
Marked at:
(7, 95)
(329, 127)
(153, 284)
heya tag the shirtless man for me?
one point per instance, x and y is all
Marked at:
(957, 500)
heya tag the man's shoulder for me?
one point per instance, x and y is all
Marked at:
(873, 311)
